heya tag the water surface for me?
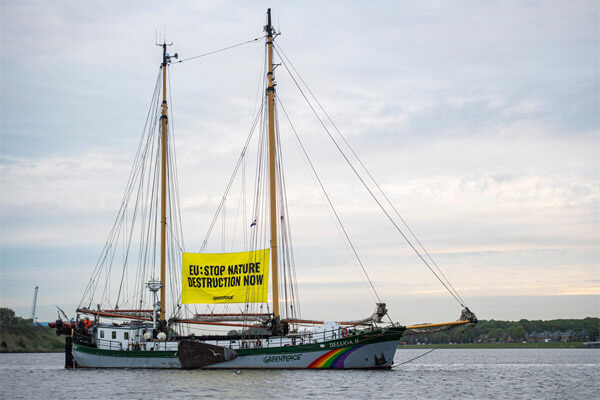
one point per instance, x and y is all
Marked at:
(444, 373)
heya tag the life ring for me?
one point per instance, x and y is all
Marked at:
(344, 332)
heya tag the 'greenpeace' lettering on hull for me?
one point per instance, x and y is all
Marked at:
(282, 358)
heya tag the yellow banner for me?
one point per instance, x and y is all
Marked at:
(225, 277)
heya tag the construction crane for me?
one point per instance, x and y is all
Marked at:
(35, 292)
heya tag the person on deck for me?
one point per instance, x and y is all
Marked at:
(88, 323)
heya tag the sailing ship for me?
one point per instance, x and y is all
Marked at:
(137, 326)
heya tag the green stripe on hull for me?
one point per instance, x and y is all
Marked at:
(124, 353)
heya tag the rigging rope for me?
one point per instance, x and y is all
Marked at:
(139, 163)
(337, 217)
(389, 202)
(218, 51)
(419, 356)
(435, 348)
(233, 175)
(174, 219)
(288, 264)
(138, 212)
(362, 180)
(173, 164)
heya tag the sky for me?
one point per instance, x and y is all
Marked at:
(480, 120)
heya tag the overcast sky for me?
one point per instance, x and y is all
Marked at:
(479, 119)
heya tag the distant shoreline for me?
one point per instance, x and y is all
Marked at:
(30, 352)
(568, 345)
(551, 345)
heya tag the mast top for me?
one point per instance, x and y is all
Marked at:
(166, 56)
(269, 27)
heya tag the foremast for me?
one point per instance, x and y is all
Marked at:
(272, 162)
(163, 181)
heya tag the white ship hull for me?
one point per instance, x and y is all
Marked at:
(369, 350)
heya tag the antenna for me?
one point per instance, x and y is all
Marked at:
(157, 35)
(166, 56)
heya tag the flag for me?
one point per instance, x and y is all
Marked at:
(253, 223)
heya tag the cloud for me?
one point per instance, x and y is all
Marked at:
(479, 122)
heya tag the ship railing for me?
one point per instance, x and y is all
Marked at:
(106, 344)
(295, 339)
(152, 345)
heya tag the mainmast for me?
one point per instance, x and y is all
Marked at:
(272, 188)
(163, 181)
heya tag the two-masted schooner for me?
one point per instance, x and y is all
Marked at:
(138, 326)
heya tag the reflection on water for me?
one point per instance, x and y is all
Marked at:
(468, 373)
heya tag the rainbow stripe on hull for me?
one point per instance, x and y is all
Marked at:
(334, 358)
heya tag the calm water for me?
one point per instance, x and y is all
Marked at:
(469, 373)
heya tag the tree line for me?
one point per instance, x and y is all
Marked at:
(486, 331)
(21, 335)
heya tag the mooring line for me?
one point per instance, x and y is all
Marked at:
(422, 355)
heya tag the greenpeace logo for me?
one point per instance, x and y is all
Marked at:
(282, 358)
(222, 297)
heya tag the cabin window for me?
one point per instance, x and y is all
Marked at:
(101, 334)
(114, 334)
(126, 335)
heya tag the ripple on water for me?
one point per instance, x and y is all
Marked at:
(468, 374)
